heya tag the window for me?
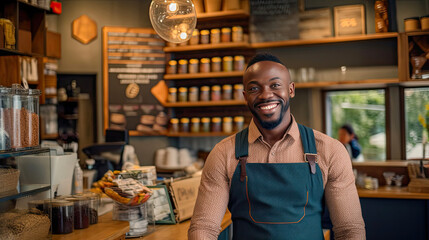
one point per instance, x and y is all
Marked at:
(415, 101)
(365, 111)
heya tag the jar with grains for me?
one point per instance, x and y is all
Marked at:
(184, 124)
(215, 93)
(237, 34)
(216, 124)
(238, 123)
(227, 124)
(205, 124)
(172, 95)
(411, 24)
(205, 65)
(33, 124)
(62, 216)
(172, 67)
(205, 93)
(204, 36)
(94, 202)
(193, 65)
(226, 92)
(216, 64)
(227, 64)
(183, 66)
(238, 92)
(193, 94)
(238, 63)
(174, 125)
(6, 126)
(215, 35)
(183, 94)
(226, 35)
(195, 125)
(81, 211)
(195, 39)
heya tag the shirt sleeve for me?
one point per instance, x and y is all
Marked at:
(341, 196)
(212, 200)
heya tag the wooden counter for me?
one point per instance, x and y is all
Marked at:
(392, 192)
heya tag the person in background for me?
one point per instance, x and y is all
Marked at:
(276, 175)
(348, 137)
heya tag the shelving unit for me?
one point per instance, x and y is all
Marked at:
(203, 75)
(202, 47)
(205, 103)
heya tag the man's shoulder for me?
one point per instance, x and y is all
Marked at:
(227, 142)
(324, 139)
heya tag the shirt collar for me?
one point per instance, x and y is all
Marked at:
(292, 131)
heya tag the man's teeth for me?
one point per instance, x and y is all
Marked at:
(268, 107)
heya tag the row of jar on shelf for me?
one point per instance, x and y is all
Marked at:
(206, 93)
(213, 36)
(206, 124)
(205, 65)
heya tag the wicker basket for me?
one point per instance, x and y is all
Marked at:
(8, 179)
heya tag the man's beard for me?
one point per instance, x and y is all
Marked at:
(272, 124)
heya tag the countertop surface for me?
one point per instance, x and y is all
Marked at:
(391, 192)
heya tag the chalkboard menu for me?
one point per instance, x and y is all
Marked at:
(273, 20)
(133, 62)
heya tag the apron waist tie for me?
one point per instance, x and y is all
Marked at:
(243, 174)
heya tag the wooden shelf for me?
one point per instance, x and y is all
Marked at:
(211, 46)
(200, 134)
(203, 75)
(222, 15)
(140, 133)
(417, 33)
(205, 103)
(49, 136)
(34, 6)
(300, 42)
(345, 83)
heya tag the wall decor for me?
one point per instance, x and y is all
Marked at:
(349, 20)
(84, 29)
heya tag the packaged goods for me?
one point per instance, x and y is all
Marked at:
(195, 39)
(227, 64)
(195, 125)
(238, 123)
(215, 36)
(172, 95)
(226, 35)
(205, 93)
(62, 216)
(205, 37)
(227, 124)
(215, 93)
(205, 65)
(216, 64)
(183, 66)
(174, 125)
(193, 65)
(226, 92)
(216, 124)
(239, 63)
(184, 124)
(193, 94)
(183, 94)
(238, 92)
(172, 67)
(237, 34)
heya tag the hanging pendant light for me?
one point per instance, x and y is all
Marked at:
(173, 20)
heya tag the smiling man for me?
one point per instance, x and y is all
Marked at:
(275, 175)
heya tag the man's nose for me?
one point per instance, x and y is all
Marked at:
(266, 93)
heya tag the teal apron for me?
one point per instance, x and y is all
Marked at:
(277, 200)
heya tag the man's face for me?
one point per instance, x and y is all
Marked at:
(343, 136)
(267, 90)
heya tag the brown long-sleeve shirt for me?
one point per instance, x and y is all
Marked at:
(335, 164)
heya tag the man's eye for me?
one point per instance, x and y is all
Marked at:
(275, 85)
(253, 89)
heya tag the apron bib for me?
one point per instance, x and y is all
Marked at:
(277, 200)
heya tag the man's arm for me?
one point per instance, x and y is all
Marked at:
(341, 196)
(212, 199)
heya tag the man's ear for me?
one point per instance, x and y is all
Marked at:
(292, 89)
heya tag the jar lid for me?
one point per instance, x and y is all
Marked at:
(184, 120)
(216, 59)
(412, 18)
(193, 61)
(174, 120)
(425, 16)
(35, 92)
(215, 88)
(226, 87)
(226, 30)
(195, 32)
(204, 32)
(195, 120)
(238, 86)
(239, 57)
(237, 28)
(59, 203)
(205, 60)
(172, 62)
(238, 119)
(193, 89)
(183, 61)
(227, 58)
(215, 30)
(37, 202)
(4, 90)
(205, 120)
(172, 89)
(216, 119)
(183, 89)
(205, 88)
(227, 119)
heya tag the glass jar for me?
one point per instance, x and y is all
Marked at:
(411, 24)
(238, 123)
(193, 94)
(238, 63)
(172, 67)
(81, 211)
(174, 125)
(184, 124)
(238, 92)
(227, 64)
(6, 126)
(205, 93)
(183, 66)
(20, 117)
(216, 124)
(172, 95)
(216, 64)
(215, 93)
(195, 39)
(237, 34)
(94, 202)
(205, 124)
(226, 92)
(33, 117)
(195, 125)
(183, 94)
(205, 36)
(205, 65)
(38, 204)
(215, 36)
(227, 124)
(62, 216)
(226, 35)
(193, 65)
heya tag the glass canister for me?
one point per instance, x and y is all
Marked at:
(195, 125)
(195, 39)
(226, 35)
(227, 64)
(183, 66)
(183, 94)
(204, 36)
(227, 124)
(20, 117)
(237, 34)
(193, 65)
(205, 124)
(174, 125)
(205, 93)
(33, 117)
(216, 64)
(238, 92)
(238, 63)
(226, 92)
(193, 94)
(238, 123)
(6, 126)
(216, 124)
(205, 65)
(94, 202)
(172, 95)
(215, 35)
(172, 67)
(81, 211)
(215, 93)
(62, 216)
(38, 204)
(184, 124)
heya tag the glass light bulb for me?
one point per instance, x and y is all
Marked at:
(173, 20)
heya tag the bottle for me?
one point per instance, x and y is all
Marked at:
(78, 179)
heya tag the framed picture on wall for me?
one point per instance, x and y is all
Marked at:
(349, 20)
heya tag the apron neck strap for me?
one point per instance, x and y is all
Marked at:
(309, 145)
(242, 143)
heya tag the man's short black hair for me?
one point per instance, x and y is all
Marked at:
(264, 57)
